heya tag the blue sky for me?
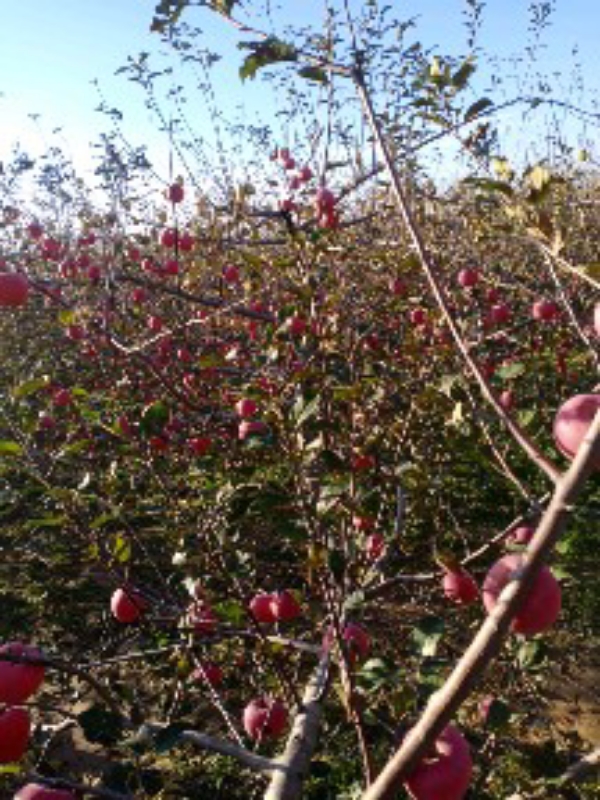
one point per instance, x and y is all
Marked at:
(51, 51)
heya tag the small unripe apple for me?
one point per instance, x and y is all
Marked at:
(14, 289)
(541, 606)
(15, 727)
(572, 422)
(19, 681)
(445, 774)
(261, 608)
(460, 587)
(126, 606)
(265, 718)
(36, 791)
(284, 606)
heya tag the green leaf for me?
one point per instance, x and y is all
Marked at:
(313, 74)
(10, 448)
(269, 51)
(230, 611)
(498, 715)
(477, 108)
(30, 387)
(154, 418)
(462, 75)
(304, 410)
(121, 549)
(532, 653)
(101, 726)
(427, 635)
(509, 371)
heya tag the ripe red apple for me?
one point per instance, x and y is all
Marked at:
(374, 546)
(467, 278)
(597, 319)
(284, 606)
(460, 587)
(356, 639)
(324, 200)
(446, 773)
(261, 608)
(520, 535)
(187, 242)
(296, 325)
(265, 718)
(572, 422)
(19, 681)
(210, 672)
(15, 726)
(541, 606)
(36, 791)
(175, 193)
(246, 408)
(199, 445)
(305, 174)
(14, 289)
(545, 310)
(126, 605)
(45, 421)
(507, 399)
(231, 274)
(418, 317)
(62, 398)
(499, 313)
(201, 618)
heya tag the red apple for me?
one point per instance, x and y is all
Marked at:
(36, 791)
(261, 608)
(15, 726)
(507, 399)
(468, 278)
(572, 422)
(199, 445)
(324, 200)
(62, 398)
(14, 289)
(541, 606)
(211, 673)
(418, 316)
(19, 681)
(126, 605)
(597, 319)
(201, 618)
(175, 193)
(445, 774)
(375, 546)
(356, 639)
(265, 718)
(520, 535)
(545, 310)
(246, 408)
(499, 313)
(284, 606)
(460, 587)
